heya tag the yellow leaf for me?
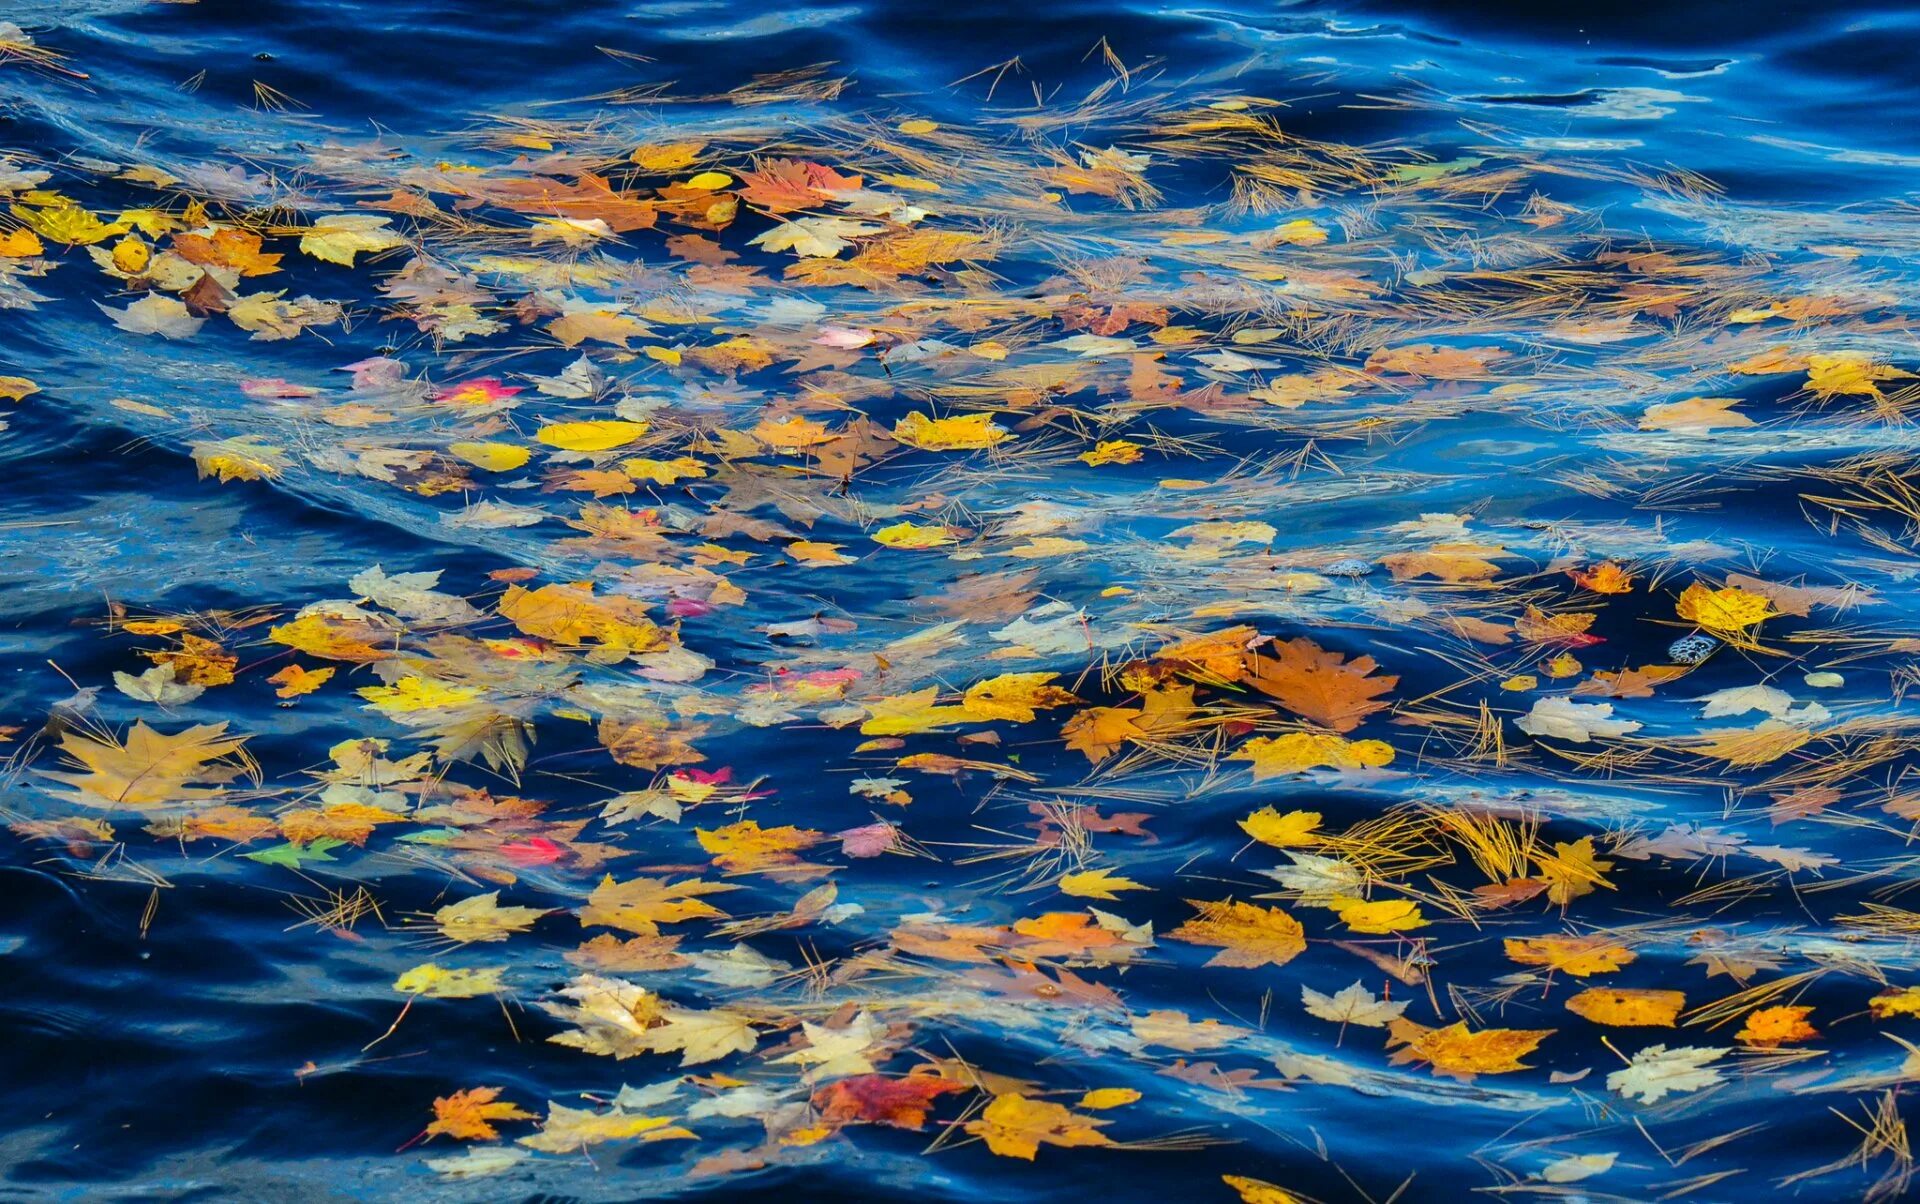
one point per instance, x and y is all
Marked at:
(438, 982)
(641, 905)
(912, 535)
(1456, 1050)
(469, 1115)
(295, 680)
(1381, 916)
(1623, 1008)
(1248, 936)
(339, 237)
(1112, 451)
(1259, 1191)
(21, 244)
(1096, 884)
(1694, 414)
(1579, 956)
(1102, 1098)
(417, 694)
(710, 180)
(968, 432)
(1014, 1126)
(1297, 752)
(1902, 1001)
(494, 457)
(482, 919)
(151, 768)
(1295, 829)
(1572, 870)
(1771, 1026)
(1726, 610)
(1014, 696)
(917, 125)
(597, 435)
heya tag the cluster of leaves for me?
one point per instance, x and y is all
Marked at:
(759, 462)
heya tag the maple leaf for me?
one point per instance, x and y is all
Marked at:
(155, 314)
(151, 768)
(295, 680)
(1015, 1126)
(1782, 1025)
(1438, 363)
(747, 848)
(878, 1099)
(1249, 936)
(1457, 1051)
(1622, 1007)
(1385, 915)
(1656, 1072)
(965, 432)
(338, 237)
(469, 1115)
(1606, 577)
(1631, 683)
(1298, 752)
(1014, 696)
(482, 919)
(440, 982)
(1454, 563)
(1579, 956)
(1100, 731)
(1572, 870)
(1292, 830)
(641, 905)
(571, 1130)
(699, 1036)
(1351, 1005)
(1725, 611)
(1320, 685)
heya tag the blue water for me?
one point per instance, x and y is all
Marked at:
(212, 1047)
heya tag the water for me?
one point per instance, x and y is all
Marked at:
(1581, 218)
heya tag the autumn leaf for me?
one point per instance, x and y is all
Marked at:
(1295, 829)
(902, 1102)
(296, 680)
(469, 1115)
(1620, 1007)
(1298, 752)
(1580, 956)
(1572, 870)
(1351, 1005)
(1248, 936)
(1014, 1126)
(1320, 685)
(1657, 1072)
(1259, 1191)
(441, 982)
(1725, 611)
(1460, 1052)
(1782, 1025)
(482, 919)
(1381, 916)
(338, 238)
(1096, 884)
(150, 768)
(968, 432)
(641, 905)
